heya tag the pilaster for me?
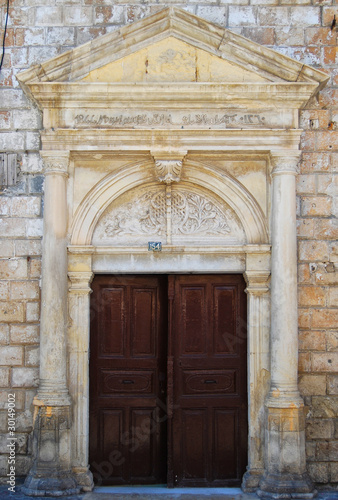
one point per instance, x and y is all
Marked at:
(51, 474)
(285, 470)
(78, 344)
(257, 277)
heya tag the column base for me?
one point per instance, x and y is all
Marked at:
(84, 478)
(50, 484)
(287, 486)
(251, 480)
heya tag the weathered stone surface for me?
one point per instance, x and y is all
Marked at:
(324, 407)
(312, 385)
(319, 429)
(25, 377)
(11, 355)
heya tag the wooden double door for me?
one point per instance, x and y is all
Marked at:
(168, 380)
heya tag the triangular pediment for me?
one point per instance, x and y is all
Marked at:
(172, 60)
(174, 46)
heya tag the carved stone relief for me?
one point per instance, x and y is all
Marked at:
(141, 214)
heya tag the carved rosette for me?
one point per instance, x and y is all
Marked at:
(285, 163)
(168, 171)
(55, 162)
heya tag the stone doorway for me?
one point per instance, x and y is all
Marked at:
(199, 142)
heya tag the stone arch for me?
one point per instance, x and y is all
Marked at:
(199, 174)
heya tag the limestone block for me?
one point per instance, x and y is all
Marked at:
(13, 227)
(19, 398)
(13, 268)
(23, 464)
(31, 163)
(4, 377)
(36, 184)
(24, 334)
(325, 318)
(24, 290)
(324, 407)
(312, 340)
(25, 377)
(319, 472)
(27, 119)
(60, 35)
(3, 421)
(11, 311)
(334, 472)
(312, 385)
(325, 362)
(78, 16)
(12, 141)
(315, 162)
(24, 421)
(32, 139)
(3, 465)
(49, 16)
(332, 343)
(312, 296)
(27, 247)
(319, 429)
(35, 268)
(34, 228)
(7, 248)
(4, 334)
(14, 98)
(316, 206)
(4, 290)
(11, 355)
(313, 251)
(327, 450)
(332, 384)
(32, 356)
(306, 184)
(32, 311)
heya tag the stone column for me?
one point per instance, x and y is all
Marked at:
(78, 341)
(51, 474)
(285, 467)
(258, 363)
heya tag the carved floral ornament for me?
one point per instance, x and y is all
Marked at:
(168, 171)
(145, 213)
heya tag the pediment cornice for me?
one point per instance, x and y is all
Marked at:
(75, 64)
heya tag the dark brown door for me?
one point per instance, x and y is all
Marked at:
(127, 379)
(186, 334)
(209, 426)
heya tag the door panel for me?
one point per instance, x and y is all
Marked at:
(209, 430)
(127, 374)
(168, 380)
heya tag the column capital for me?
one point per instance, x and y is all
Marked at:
(80, 282)
(285, 162)
(257, 282)
(56, 162)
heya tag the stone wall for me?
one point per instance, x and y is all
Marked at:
(302, 29)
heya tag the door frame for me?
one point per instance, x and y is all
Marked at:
(253, 261)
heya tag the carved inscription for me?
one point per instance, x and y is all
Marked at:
(170, 120)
